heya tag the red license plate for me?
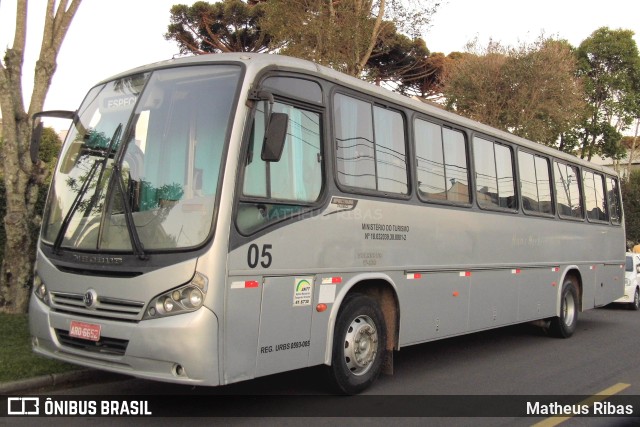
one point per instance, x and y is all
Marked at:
(85, 331)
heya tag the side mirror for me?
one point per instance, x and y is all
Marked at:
(638, 268)
(275, 137)
(36, 132)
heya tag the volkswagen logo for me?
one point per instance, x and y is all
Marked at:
(90, 298)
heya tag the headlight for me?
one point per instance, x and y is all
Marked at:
(185, 298)
(40, 289)
(195, 297)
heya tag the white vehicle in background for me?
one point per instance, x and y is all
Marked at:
(631, 283)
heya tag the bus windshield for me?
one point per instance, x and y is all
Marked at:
(141, 164)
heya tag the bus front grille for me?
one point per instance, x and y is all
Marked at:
(105, 307)
(106, 345)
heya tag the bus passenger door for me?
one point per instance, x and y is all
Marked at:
(285, 324)
(275, 193)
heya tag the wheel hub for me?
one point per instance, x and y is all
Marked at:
(360, 345)
(569, 310)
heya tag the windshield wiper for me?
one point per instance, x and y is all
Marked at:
(83, 189)
(136, 243)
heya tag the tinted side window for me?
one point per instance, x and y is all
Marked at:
(594, 196)
(441, 163)
(455, 166)
(543, 176)
(370, 144)
(391, 160)
(613, 197)
(568, 191)
(535, 183)
(295, 87)
(430, 160)
(494, 175)
(354, 142)
(506, 183)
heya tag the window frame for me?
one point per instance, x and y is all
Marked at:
(580, 188)
(620, 211)
(549, 161)
(374, 102)
(605, 198)
(514, 176)
(306, 207)
(465, 136)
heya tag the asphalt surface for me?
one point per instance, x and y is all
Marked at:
(511, 361)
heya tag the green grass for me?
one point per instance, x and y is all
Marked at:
(16, 357)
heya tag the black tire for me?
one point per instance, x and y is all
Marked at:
(565, 325)
(635, 305)
(358, 345)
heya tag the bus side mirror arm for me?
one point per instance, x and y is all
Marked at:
(36, 131)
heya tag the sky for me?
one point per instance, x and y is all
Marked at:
(108, 37)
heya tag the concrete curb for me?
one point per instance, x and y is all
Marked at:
(53, 380)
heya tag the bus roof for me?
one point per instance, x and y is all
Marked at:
(255, 62)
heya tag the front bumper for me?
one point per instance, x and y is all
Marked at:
(179, 349)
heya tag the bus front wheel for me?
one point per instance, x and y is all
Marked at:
(564, 325)
(358, 344)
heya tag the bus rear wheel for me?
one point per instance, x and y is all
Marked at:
(358, 344)
(565, 325)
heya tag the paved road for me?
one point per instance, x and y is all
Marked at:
(520, 360)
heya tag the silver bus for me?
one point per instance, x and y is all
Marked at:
(219, 218)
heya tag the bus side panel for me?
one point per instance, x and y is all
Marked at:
(609, 283)
(493, 299)
(592, 274)
(325, 292)
(285, 324)
(433, 305)
(242, 317)
(601, 284)
(537, 293)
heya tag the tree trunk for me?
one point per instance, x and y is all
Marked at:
(22, 178)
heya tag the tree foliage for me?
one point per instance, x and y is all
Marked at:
(339, 34)
(427, 79)
(226, 26)
(364, 38)
(23, 179)
(610, 67)
(631, 201)
(50, 145)
(396, 58)
(358, 37)
(531, 91)
(631, 145)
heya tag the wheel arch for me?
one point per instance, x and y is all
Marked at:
(381, 288)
